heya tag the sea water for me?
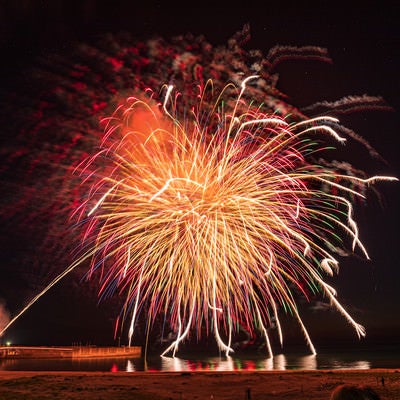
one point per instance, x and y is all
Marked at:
(378, 357)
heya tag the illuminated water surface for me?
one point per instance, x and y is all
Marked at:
(386, 358)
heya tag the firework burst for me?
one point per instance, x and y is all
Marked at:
(209, 204)
(210, 217)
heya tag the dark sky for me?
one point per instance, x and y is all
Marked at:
(363, 42)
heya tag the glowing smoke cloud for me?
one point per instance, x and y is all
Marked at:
(210, 200)
(4, 317)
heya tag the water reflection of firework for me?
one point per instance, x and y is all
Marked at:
(210, 200)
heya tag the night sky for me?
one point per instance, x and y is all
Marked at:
(363, 43)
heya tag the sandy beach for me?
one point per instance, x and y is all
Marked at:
(249, 385)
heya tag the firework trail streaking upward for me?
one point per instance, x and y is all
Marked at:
(209, 201)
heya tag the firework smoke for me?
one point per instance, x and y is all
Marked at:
(4, 316)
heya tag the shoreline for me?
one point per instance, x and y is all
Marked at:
(224, 385)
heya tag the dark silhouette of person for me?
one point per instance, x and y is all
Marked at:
(352, 392)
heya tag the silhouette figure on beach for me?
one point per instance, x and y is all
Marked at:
(352, 392)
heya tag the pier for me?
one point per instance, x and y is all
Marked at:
(75, 352)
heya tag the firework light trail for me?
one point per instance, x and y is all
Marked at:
(212, 205)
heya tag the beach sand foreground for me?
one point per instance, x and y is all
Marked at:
(248, 385)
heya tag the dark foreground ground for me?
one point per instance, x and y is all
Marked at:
(288, 385)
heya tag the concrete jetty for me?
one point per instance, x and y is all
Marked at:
(13, 352)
